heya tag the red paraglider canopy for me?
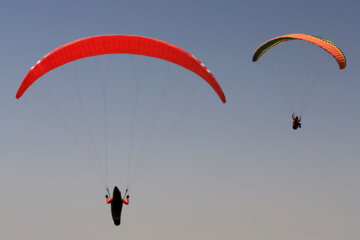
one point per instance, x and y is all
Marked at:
(112, 44)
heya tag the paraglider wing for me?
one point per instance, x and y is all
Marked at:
(321, 42)
(112, 44)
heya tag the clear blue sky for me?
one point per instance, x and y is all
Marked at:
(239, 172)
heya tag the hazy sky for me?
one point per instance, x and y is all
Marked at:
(233, 171)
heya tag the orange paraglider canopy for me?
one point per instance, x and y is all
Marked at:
(321, 42)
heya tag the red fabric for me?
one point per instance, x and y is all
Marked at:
(109, 200)
(125, 201)
(111, 44)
